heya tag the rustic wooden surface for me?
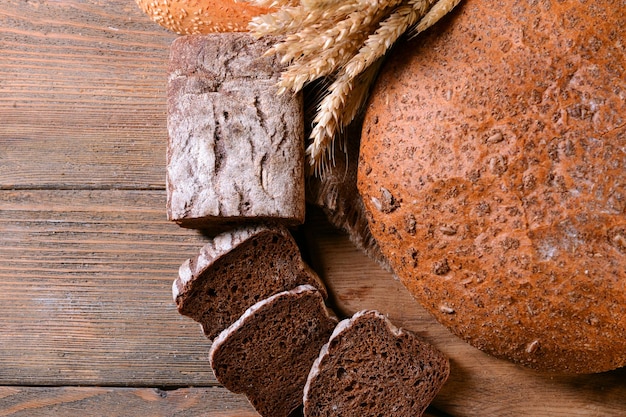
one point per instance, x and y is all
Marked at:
(87, 257)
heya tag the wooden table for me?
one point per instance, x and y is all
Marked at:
(87, 258)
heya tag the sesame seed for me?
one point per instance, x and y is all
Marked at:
(447, 310)
(532, 346)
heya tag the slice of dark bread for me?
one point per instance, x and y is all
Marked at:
(268, 352)
(369, 367)
(235, 270)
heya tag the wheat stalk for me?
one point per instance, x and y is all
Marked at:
(439, 10)
(386, 35)
(344, 40)
(272, 4)
(346, 96)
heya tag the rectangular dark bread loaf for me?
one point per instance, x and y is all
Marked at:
(236, 269)
(236, 148)
(268, 352)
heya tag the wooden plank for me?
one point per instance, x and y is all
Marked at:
(85, 291)
(479, 385)
(121, 402)
(124, 402)
(82, 95)
(85, 279)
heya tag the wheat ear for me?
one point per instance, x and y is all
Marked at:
(306, 23)
(346, 97)
(337, 109)
(360, 92)
(328, 52)
(345, 41)
(327, 122)
(439, 10)
(386, 35)
(285, 20)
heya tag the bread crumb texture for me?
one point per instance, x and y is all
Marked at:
(493, 172)
(268, 352)
(369, 367)
(237, 269)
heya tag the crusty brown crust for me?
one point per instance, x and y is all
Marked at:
(493, 169)
(236, 148)
(187, 17)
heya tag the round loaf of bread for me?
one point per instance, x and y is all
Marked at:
(187, 17)
(493, 171)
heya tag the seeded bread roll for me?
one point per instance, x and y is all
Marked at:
(235, 270)
(268, 352)
(493, 169)
(369, 367)
(187, 17)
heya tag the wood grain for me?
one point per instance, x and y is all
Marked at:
(121, 402)
(124, 402)
(81, 95)
(85, 290)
